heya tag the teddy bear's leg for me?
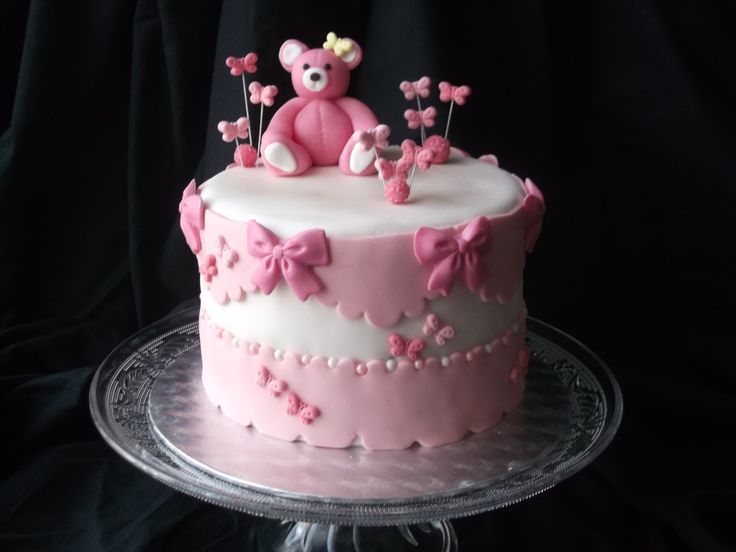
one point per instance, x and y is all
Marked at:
(355, 161)
(284, 157)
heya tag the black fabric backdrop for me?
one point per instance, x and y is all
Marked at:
(623, 112)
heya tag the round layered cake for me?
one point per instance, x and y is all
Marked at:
(332, 316)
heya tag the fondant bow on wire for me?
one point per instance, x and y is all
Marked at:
(450, 256)
(417, 118)
(291, 259)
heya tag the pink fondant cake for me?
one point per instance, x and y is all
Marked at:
(332, 315)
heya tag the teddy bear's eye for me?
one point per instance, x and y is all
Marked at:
(328, 66)
(305, 66)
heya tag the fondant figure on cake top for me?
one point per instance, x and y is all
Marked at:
(317, 127)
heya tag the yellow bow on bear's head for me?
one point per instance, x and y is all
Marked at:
(340, 46)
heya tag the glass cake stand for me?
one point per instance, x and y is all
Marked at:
(148, 403)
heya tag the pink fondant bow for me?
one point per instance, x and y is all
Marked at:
(191, 219)
(449, 255)
(419, 118)
(260, 93)
(533, 210)
(293, 259)
(246, 64)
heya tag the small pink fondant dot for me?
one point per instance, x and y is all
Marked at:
(253, 348)
(361, 369)
(505, 340)
(218, 333)
(469, 356)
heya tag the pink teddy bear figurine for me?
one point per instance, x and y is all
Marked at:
(316, 127)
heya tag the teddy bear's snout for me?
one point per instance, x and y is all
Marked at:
(315, 79)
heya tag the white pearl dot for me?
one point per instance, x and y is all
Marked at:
(419, 364)
(468, 356)
(391, 365)
(361, 369)
(489, 348)
(278, 354)
(236, 342)
(445, 361)
(505, 339)
(306, 359)
(332, 362)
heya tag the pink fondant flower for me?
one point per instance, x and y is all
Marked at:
(399, 346)
(533, 210)
(420, 118)
(451, 93)
(260, 93)
(374, 137)
(416, 88)
(208, 267)
(246, 64)
(191, 219)
(451, 255)
(291, 259)
(231, 131)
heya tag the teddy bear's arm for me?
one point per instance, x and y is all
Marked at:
(353, 160)
(282, 123)
(361, 117)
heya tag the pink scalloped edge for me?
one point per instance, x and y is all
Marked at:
(362, 367)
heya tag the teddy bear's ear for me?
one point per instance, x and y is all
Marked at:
(290, 50)
(352, 58)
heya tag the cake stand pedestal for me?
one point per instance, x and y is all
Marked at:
(148, 403)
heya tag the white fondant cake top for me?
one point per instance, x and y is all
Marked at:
(349, 206)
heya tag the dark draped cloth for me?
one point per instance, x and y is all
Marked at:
(624, 114)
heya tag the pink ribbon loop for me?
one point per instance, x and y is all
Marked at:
(452, 255)
(291, 259)
(191, 209)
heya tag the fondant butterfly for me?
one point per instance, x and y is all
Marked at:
(230, 131)
(340, 46)
(457, 94)
(295, 406)
(374, 137)
(225, 252)
(260, 93)
(399, 346)
(423, 117)
(432, 328)
(263, 377)
(424, 157)
(246, 64)
(416, 88)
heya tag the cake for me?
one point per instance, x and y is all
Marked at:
(340, 313)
